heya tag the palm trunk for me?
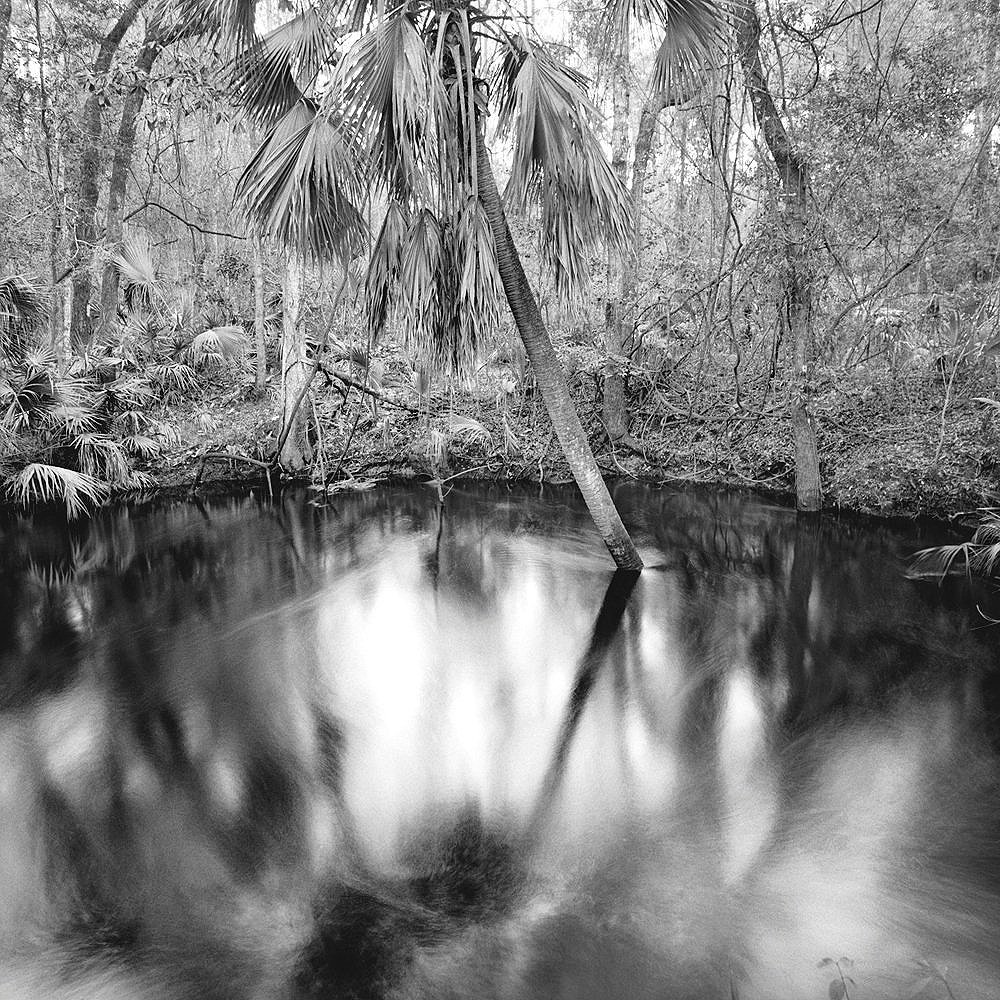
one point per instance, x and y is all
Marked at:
(549, 373)
(796, 314)
(85, 225)
(260, 384)
(615, 419)
(296, 453)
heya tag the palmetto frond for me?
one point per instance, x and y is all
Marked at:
(228, 20)
(389, 93)
(40, 483)
(559, 161)
(702, 21)
(216, 346)
(438, 279)
(269, 77)
(981, 554)
(101, 457)
(137, 270)
(383, 268)
(20, 306)
(693, 38)
(303, 184)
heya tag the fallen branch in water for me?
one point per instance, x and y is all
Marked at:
(225, 456)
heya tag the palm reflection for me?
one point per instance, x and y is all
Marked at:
(387, 749)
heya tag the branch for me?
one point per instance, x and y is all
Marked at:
(180, 218)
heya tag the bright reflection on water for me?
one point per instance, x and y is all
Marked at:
(374, 750)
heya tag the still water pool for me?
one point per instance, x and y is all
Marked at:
(384, 748)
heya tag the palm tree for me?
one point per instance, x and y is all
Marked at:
(401, 111)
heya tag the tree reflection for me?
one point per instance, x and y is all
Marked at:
(381, 749)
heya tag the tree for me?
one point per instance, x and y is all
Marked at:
(4, 28)
(798, 278)
(157, 37)
(85, 223)
(407, 111)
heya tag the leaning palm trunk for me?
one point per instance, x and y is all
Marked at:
(296, 449)
(549, 373)
(798, 277)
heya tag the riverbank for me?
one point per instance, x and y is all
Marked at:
(920, 447)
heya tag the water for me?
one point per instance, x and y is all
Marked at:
(371, 749)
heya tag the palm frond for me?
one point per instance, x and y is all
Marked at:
(173, 376)
(73, 419)
(475, 430)
(939, 561)
(558, 161)
(219, 20)
(141, 446)
(39, 483)
(981, 554)
(691, 43)
(383, 268)
(135, 482)
(701, 20)
(269, 77)
(389, 92)
(101, 457)
(137, 271)
(303, 184)
(216, 346)
(20, 307)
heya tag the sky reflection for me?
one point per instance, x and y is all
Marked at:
(385, 749)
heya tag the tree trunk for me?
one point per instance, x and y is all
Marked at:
(549, 374)
(796, 311)
(154, 43)
(4, 28)
(85, 224)
(260, 384)
(117, 187)
(640, 167)
(297, 452)
(615, 418)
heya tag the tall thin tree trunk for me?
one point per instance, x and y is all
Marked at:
(260, 383)
(615, 418)
(297, 452)
(4, 28)
(117, 186)
(654, 104)
(85, 223)
(155, 41)
(549, 374)
(796, 308)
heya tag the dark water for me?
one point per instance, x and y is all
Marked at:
(366, 750)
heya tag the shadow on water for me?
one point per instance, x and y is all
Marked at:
(390, 749)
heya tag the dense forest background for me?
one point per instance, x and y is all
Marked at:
(814, 246)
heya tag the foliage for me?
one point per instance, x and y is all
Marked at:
(980, 555)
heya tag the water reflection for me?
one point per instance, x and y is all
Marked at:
(385, 749)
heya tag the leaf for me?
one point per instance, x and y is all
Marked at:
(137, 270)
(558, 161)
(470, 427)
(303, 184)
(41, 483)
(269, 77)
(217, 345)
